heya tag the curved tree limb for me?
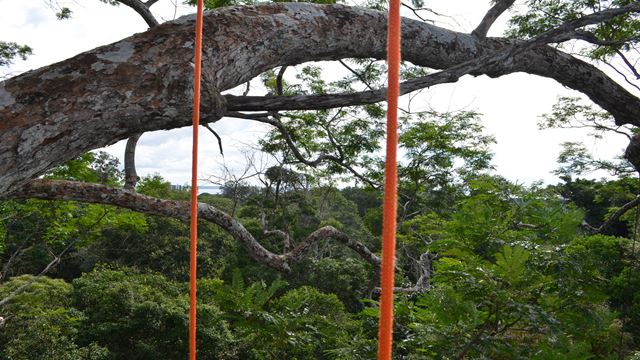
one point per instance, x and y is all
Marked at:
(101, 194)
(143, 10)
(142, 83)
(491, 16)
(614, 217)
(130, 175)
(217, 137)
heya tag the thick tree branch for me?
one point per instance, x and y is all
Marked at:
(130, 174)
(143, 83)
(101, 194)
(286, 238)
(492, 15)
(424, 281)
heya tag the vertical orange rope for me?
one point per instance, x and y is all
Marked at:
(385, 332)
(193, 246)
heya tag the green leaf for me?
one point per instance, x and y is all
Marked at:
(510, 262)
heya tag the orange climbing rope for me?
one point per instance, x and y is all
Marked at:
(193, 246)
(385, 334)
(385, 330)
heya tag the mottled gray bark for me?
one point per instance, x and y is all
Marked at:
(144, 83)
(101, 194)
(130, 174)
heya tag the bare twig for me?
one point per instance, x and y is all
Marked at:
(208, 127)
(54, 262)
(247, 89)
(7, 266)
(416, 12)
(357, 74)
(275, 122)
(629, 64)
(624, 76)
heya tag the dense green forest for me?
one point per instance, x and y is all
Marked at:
(487, 268)
(508, 271)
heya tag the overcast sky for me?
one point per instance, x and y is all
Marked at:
(511, 105)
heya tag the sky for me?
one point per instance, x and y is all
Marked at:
(511, 105)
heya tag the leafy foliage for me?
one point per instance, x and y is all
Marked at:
(619, 33)
(9, 51)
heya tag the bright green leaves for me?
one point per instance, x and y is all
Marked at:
(64, 13)
(575, 159)
(98, 167)
(41, 324)
(302, 323)
(440, 150)
(156, 186)
(9, 51)
(572, 112)
(438, 140)
(346, 135)
(146, 316)
(617, 34)
(35, 231)
(510, 263)
(242, 298)
(543, 15)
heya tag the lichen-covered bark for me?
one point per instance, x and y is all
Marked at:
(143, 83)
(101, 194)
